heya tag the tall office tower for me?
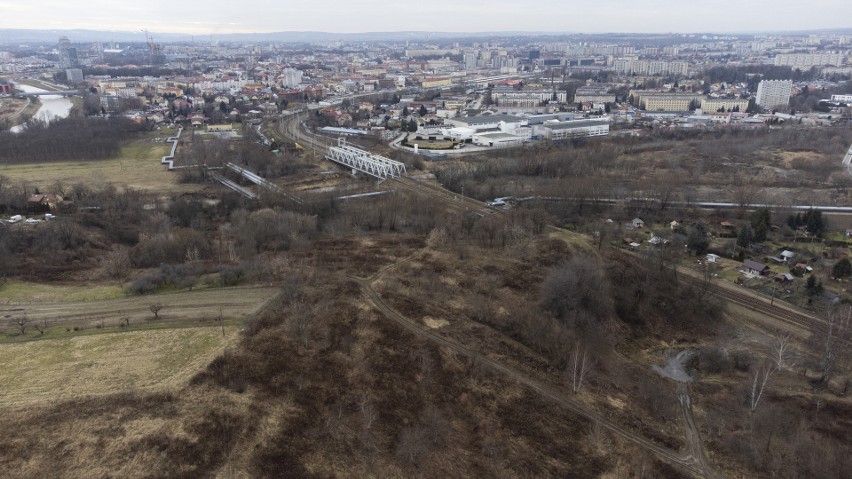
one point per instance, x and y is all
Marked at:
(67, 53)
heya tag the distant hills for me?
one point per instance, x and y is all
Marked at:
(76, 36)
(17, 36)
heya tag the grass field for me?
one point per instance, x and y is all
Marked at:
(138, 166)
(69, 319)
(21, 291)
(151, 360)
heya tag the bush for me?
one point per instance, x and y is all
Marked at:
(742, 360)
(713, 361)
(231, 274)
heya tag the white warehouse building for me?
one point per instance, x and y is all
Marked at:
(497, 139)
(567, 130)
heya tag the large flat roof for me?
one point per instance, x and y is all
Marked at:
(499, 136)
(481, 119)
(565, 125)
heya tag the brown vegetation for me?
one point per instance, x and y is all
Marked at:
(323, 383)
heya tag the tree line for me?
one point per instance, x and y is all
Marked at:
(71, 138)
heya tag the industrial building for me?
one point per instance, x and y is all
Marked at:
(497, 139)
(569, 130)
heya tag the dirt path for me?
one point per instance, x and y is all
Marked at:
(693, 436)
(694, 462)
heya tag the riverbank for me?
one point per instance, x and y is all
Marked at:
(48, 107)
(15, 111)
(40, 84)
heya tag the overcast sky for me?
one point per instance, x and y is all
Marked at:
(346, 16)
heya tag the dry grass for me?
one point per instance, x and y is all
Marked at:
(17, 110)
(576, 241)
(62, 369)
(22, 291)
(179, 308)
(138, 166)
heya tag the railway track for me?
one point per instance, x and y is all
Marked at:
(448, 197)
(756, 304)
(806, 323)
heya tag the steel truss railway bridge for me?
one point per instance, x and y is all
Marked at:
(364, 161)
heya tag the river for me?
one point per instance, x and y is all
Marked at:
(52, 106)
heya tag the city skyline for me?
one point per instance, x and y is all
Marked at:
(359, 16)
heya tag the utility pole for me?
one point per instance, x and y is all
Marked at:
(462, 199)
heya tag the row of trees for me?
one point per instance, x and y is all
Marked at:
(72, 138)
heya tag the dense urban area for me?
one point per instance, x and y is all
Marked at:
(425, 255)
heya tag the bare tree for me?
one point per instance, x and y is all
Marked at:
(576, 286)
(782, 351)
(155, 308)
(40, 327)
(300, 322)
(598, 436)
(759, 380)
(369, 414)
(412, 444)
(579, 367)
(745, 194)
(831, 339)
(21, 322)
(116, 263)
(708, 273)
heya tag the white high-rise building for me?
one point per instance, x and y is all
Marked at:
(291, 77)
(470, 61)
(774, 93)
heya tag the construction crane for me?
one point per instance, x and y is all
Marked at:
(153, 48)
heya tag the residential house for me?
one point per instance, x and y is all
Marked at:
(43, 202)
(753, 267)
(638, 223)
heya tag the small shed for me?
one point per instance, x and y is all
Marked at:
(787, 255)
(638, 223)
(804, 267)
(713, 258)
(784, 278)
